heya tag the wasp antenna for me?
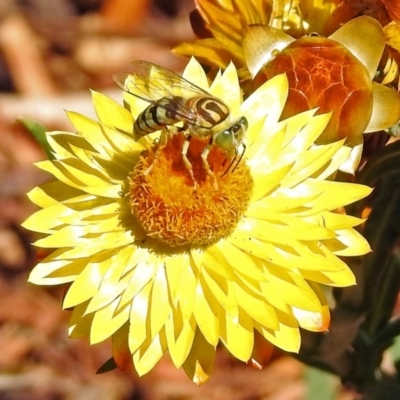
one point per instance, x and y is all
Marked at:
(231, 163)
(241, 156)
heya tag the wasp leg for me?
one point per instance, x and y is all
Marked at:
(204, 157)
(161, 142)
(186, 162)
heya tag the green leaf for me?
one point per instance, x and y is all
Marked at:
(108, 366)
(320, 385)
(39, 133)
(389, 335)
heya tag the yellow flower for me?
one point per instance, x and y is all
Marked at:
(141, 272)
(220, 25)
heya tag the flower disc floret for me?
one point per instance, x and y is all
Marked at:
(177, 210)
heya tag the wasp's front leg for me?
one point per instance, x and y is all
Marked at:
(186, 162)
(160, 143)
(204, 157)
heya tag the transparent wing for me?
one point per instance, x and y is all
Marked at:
(153, 83)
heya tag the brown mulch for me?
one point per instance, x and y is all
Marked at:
(51, 53)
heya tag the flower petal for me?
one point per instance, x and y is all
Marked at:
(149, 354)
(237, 335)
(386, 108)
(364, 37)
(110, 113)
(260, 43)
(200, 361)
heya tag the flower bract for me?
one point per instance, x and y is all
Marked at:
(335, 74)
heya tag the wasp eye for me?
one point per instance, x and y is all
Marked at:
(235, 128)
(243, 122)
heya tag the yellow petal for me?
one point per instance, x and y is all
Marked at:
(200, 361)
(276, 207)
(90, 130)
(311, 320)
(106, 322)
(138, 332)
(80, 323)
(297, 142)
(227, 88)
(213, 259)
(348, 158)
(270, 97)
(392, 37)
(256, 307)
(87, 282)
(334, 220)
(349, 193)
(111, 285)
(187, 291)
(310, 162)
(66, 174)
(237, 335)
(355, 244)
(194, 72)
(55, 272)
(297, 291)
(141, 274)
(241, 262)
(60, 143)
(110, 113)
(180, 336)
(160, 309)
(149, 354)
(287, 337)
(224, 293)
(266, 181)
(391, 69)
(204, 51)
(47, 220)
(207, 311)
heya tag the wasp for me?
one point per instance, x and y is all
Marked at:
(174, 99)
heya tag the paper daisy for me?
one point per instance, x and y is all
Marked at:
(161, 266)
(219, 24)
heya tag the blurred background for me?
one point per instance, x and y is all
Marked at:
(51, 53)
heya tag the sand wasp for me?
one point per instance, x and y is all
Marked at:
(173, 99)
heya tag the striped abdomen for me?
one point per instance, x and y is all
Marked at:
(201, 112)
(155, 116)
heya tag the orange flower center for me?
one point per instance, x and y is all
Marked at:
(179, 210)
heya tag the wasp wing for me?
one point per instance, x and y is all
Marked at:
(153, 83)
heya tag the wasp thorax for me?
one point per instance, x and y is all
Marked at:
(172, 209)
(210, 111)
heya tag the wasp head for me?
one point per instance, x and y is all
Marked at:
(231, 140)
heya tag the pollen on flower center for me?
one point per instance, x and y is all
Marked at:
(176, 210)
